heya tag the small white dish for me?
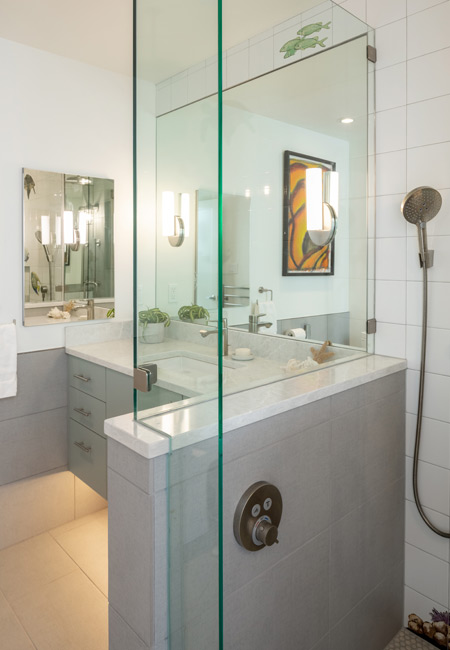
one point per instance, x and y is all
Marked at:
(248, 357)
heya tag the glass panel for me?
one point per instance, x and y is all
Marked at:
(178, 328)
(273, 132)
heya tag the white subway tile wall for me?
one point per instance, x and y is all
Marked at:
(413, 149)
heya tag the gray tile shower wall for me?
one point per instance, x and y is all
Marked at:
(33, 425)
(338, 569)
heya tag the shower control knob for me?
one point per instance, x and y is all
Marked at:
(266, 533)
(257, 516)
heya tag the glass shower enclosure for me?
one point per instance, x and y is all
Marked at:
(231, 102)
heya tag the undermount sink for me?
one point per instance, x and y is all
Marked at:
(198, 375)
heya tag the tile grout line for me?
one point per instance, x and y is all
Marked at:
(18, 620)
(78, 566)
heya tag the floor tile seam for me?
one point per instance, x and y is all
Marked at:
(15, 601)
(18, 621)
(419, 548)
(28, 415)
(78, 525)
(80, 568)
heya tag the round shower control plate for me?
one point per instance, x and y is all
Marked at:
(252, 529)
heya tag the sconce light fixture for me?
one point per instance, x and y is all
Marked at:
(175, 226)
(322, 199)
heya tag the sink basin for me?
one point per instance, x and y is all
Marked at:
(191, 374)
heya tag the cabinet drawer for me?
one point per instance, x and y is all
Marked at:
(87, 377)
(87, 457)
(87, 410)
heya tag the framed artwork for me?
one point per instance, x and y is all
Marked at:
(300, 255)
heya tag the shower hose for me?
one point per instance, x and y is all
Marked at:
(430, 525)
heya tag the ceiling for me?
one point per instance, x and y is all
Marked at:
(100, 32)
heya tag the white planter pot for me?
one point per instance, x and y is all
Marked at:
(153, 333)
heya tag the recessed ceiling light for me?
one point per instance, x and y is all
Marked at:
(347, 120)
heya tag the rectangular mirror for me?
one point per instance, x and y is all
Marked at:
(68, 237)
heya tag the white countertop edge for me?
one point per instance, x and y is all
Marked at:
(152, 439)
(77, 351)
(144, 441)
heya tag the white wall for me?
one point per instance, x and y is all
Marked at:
(61, 115)
(413, 134)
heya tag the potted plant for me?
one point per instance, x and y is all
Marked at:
(193, 314)
(151, 325)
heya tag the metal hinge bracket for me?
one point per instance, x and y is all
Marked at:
(145, 376)
(371, 326)
(372, 53)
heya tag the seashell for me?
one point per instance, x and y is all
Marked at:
(415, 627)
(440, 638)
(428, 629)
(441, 626)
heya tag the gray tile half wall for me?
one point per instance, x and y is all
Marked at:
(33, 425)
(336, 577)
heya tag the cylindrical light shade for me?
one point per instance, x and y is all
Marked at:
(185, 213)
(58, 230)
(45, 229)
(83, 219)
(314, 196)
(68, 227)
(331, 190)
(168, 213)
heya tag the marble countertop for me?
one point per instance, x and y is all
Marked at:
(237, 375)
(150, 437)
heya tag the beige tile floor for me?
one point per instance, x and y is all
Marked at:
(54, 588)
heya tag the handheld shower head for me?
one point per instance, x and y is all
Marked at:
(421, 205)
(38, 235)
(418, 207)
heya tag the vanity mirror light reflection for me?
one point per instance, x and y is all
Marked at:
(68, 247)
(297, 111)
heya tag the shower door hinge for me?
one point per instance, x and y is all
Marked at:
(371, 326)
(145, 376)
(372, 53)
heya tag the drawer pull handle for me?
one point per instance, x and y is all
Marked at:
(83, 412)
(82, 378)
(82, 446)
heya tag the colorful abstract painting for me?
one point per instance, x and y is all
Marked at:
(300, 255)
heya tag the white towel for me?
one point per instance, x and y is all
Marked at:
(268, 308)
(8, 360)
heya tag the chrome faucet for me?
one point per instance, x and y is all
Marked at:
(205, 333)
(254, 324)
(88, 304)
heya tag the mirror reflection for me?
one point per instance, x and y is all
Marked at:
(287, 270)
(68, 247)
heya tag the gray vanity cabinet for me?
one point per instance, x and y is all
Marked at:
(95, 394)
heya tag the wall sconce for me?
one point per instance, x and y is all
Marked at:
(71, 235)
(175, 227)
(322, 199)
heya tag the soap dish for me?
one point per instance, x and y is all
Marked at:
(248, 357)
